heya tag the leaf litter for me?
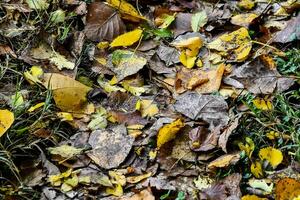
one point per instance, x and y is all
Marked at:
(130, 100)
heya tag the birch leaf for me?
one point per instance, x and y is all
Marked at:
(198, 20)
(6, 120)
(127, 39)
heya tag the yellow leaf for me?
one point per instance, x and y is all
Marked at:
(246, 4)
(117, 178)
(272, 135)
(287, 189)
(187, 61)
(103, 45)
(65, 116)
(274, 156)
(256, 169)
(224, 161)
(127, 39)
(136, 179)
(101, 60)
(126, 9)
(248, 147)
(65, 187)
(34, 74)
(147, 108)
(168, 132)
(6, 120)
(117, 190)
(65, 151)
(61, 62)
(33, 108)
(135, 90)
(252, 197)
(152, 155)
(266, 185)
(191, 46)
(243, 19)
(262, 104)
(238, 43)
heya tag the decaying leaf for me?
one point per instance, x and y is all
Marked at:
(116, 190)
(266, 185)
(252, 197)
(65, 151)
(168, 132)
(38, 4)
(287, 188)
(199, 19)
(145, 194)
(256, 169)
(168, 54)
(110, 147)
(243, 19)
(147, 108)
(103, 22)
(224, 161)
(272, 155)
(126, 9)
(6, 120)
(136, 179)
(125, 63)
(210, 108)
(127, 39)
(237, 43)
(248, 146)
(290, 33)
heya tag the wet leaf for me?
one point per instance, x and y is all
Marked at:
(6, 120)
(274, 156)
(224, 161)
(168, 132)
(127, 39)
(65, 151)
(126, 9)
(287, 188)
(199, 19)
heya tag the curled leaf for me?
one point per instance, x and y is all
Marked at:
(274, 156)
(168, 132)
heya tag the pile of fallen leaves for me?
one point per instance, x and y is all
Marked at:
(149, 99)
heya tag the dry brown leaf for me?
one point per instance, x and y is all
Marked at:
(287, 189)
(224, 161)
(103, 22)
(145, 194)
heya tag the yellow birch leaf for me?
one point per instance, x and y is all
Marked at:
(191, 46)
(103, 45)
(262, 104)
(147, 108)
(65, 151)
(274, 156)
(187, 61)
(127, 39)
(168, 132)
(117, 190)
(243, 19)
(6, 120)
(224, 161)
(65, 116)
(246, 4)
(34, 74)
(33, 108)
(136, 179)
(252, 197)
(127, 10)
(256, 169)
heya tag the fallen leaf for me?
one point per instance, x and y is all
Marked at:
(147, 108)
(6, 50)
(127, 10)
(246, 4)
(127, 39)
(224, 161)
(252, 197)
(266, 185)
(117, 190)
(6, 120)
(262, 104)
(210, 108)
(290, 33)
(237, 43)
(102, 22)
(125, 63)
(256, 169)
(243, 19)
(168, 132)
(248, 146)
(187, 61)
(128, 118)
(145, 194)
(274, 156)
(110, 147)
(204, 140)
(287, 189)
(38, 4)
(199, 19)
(65, 151)
(136, 179)
(168, 54)
(65, 116)
(98, 121)
(272, 135)
(34, 74)
(258, 79)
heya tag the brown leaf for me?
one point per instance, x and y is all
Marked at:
(103, 23)
(5, 49)
(224, 161)
(203, 140)
(227, 132)
(128, 118)
(110, 147)
(168, 54)
(290, 33)
(210, 108)
(258, 79)
(145, 194)
(182, 23)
